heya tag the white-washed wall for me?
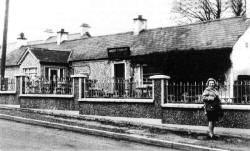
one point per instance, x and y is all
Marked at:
(30, 61)
(11, 71)
(240, 58)
(103, 70)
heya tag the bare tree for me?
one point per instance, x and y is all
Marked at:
(238, 7)
(199, 10)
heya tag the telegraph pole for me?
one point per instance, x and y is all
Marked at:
(4, 44)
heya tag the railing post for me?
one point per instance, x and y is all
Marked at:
(78, 88)
(159, 92)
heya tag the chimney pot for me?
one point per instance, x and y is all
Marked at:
(61, 36)
(21, 40)
(84, 30)
(140, 24)
(21, 36)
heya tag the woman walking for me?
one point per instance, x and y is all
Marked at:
(212, 105)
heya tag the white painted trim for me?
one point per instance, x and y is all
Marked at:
(7, 92)
(153, 88)
(20, 75)
(179, 105)
(236, 107)
(15, 83)
(73, 87)
(21, 85)
(140, 75)
(57, 72)
(80, 88)
(162, 91)
(84, 86)
(23, 56)
(197, 106)
(125, 67)
(79, 76)
(47, 95)
(116, 100)
(159, 77)
(69, 55)
(33, 54)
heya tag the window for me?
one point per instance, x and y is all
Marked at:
(32, 72)
(46, 73)
(50, 72)
(148, 71)
(61, 74)
(118, 53)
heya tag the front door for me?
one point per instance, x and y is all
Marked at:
(119, 73)
(53, 75)
(53, 79)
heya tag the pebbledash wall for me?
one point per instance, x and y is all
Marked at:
(39, 101)
(50, 101)
(235, 116)
(139, 108)
(11, 97)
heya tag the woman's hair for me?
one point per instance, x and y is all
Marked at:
(211, 79)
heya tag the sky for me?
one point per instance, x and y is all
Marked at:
(104, 16)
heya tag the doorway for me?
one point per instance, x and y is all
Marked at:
(119, 78)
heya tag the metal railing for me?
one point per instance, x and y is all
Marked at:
(180, 92)
(39, 85)
(9, 84)
(117, 88)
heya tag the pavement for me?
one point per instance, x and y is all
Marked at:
(142, 130)
(146, 122)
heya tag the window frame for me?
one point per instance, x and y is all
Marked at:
(58, 72)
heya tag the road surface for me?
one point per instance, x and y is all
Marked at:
(18, 136)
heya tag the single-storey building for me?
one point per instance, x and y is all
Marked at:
(186, 53)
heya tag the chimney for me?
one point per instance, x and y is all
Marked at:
(84, 30)
(61, 36)
(247, 8)
(140, 24)
(48, 33)
(21, 40)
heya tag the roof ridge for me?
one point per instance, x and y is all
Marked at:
(35, 48)
(128, 32)
(196, 23)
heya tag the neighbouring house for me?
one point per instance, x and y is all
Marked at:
(16, 51)
(44, 63)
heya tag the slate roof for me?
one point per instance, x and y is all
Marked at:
(14, 56)
(51, 56)
(215, 34)
(70, 37)
(201, 36)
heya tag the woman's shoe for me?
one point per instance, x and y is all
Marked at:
(210, 135)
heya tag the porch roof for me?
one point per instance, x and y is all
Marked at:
(51, 56)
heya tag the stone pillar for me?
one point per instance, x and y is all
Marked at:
(78, 88)
(159, 92)
(20, 86)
